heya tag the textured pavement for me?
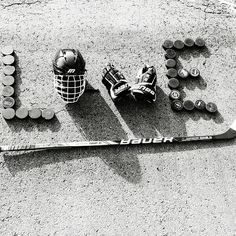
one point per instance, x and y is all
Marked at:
(183, 189)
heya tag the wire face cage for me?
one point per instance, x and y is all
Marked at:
(70, 87)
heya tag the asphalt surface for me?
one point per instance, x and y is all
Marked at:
(184, 189)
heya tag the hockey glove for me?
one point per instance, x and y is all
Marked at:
(146, 86)
(115, 83)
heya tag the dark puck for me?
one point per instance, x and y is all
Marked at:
(175, 95)
(171, 73)
(179, 44)
(183, 73)
(9, 70)
(7, 50)
(170, 54)
(173, 83)
(200, 105)
(188, 42)
(8, 102)
(48, 114)
(177, 105)
(35, 113)
(170, 63)
(22, 113)
(211, 107)
(8, 91)
(200, 42)
(8, 80)
(194, 72)
(168, 44)
(8, 60)
(188, 105)
(8, 113)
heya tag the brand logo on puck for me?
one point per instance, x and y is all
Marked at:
(175, 94)
(194, 71)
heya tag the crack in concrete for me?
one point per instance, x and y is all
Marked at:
(208, 7)
(191, 6)
(228, 3)
(19, 3)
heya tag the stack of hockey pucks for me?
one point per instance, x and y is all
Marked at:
(175, 74)
(8, 102)
(36, 113)
(8, 80)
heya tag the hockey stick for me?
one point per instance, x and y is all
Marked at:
(229, 134)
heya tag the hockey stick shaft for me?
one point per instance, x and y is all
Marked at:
(142, 141)
(229, 134)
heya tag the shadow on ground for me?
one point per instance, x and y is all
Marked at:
(93, 117)
(122, 160)
(18, 81)
(29, 125)
(150, 120)
(158, 119)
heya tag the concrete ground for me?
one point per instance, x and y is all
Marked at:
(183, 189)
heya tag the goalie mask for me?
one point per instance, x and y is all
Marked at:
(69, 70)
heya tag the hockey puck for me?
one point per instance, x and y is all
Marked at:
(188, 42)
(8, 113)
(170, 54)
(194, 72)
(171, 73)
(174, 95)
(9, 70)
(35, 113)
(8, 60)
(170, 63)
(179, 44)
(183, 73)
(8, 80)
(188, 105)
(200, 42)
(8, 102)
(211, 107)
(7, 50)
(177, 105)
(48, 114)
(167, 44)
(173, 83)
(8, 91)
(200, 105)
(22, 113)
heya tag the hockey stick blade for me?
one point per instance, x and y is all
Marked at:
(229, 134)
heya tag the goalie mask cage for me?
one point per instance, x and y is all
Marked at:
(70, 87)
